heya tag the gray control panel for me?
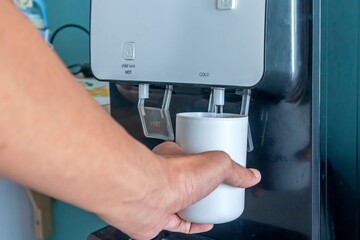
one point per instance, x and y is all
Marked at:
(210, 42)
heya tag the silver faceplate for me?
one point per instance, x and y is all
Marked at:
(178, 41)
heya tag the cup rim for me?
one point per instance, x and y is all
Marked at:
(210, 116)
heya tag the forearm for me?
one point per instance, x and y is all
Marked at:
(52, 132)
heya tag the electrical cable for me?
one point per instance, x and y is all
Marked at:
(68, 26)
(77, 65)
(82, 68)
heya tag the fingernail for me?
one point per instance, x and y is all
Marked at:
(256, 173)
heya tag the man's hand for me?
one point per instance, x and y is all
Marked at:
(189, 178)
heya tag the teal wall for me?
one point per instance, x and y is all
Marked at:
(71, 223)
(72, 45)
(340, 109)
(340, 84)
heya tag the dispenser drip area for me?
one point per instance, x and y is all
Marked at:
(243, 230)
(110, 233)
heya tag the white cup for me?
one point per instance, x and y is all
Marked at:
(200, 132)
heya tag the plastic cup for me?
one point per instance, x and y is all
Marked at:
(200, 132)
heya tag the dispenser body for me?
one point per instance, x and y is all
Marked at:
(195, 45)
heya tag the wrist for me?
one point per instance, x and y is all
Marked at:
(141, 181)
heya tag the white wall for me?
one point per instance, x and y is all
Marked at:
(16, 219)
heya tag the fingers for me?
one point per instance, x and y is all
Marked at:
(242, 177)
(198, 175)
(176, 224)
(219, 166)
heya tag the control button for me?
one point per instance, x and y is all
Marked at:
(129, 51)
(226, 4)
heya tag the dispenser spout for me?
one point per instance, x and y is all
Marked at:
(219, 99)
(156, 122)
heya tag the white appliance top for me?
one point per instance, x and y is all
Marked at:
(211, 42)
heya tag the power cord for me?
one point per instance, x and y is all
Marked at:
(78, 68)
(74, 68)
(53, 36)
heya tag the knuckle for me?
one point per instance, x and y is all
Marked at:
(226, 161)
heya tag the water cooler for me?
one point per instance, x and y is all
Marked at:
(166, 57)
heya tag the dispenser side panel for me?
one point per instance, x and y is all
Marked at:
(287, 48)
(205, 42)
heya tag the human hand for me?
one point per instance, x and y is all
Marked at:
(189, 178)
